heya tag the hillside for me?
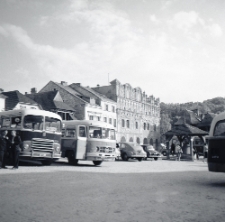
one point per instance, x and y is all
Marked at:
(170, 113)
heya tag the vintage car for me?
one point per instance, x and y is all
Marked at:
(131, 151)
(151, 152)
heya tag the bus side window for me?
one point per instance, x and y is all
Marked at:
(82, 131)
(70, 133)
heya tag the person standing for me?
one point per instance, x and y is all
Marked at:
(4, 145)
(205, 153)
(172, 148)
(179, 151)
(16, 145)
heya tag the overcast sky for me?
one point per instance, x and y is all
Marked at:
(172, 49)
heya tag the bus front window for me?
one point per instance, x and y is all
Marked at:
(52, 124)
(33, 122)
(108, 134)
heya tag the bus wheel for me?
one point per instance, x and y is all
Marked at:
(97, 163)
(125, 157)
(71, 159)
(46, 162)
(155, 158)
(139, 159)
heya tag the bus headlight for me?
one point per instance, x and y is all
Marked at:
(97, 149)
(57, 147)
(26, 144)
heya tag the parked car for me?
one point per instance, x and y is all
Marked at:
(151, 152)
(131, 151)
(163, 149)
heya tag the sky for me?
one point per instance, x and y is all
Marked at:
(172, 49)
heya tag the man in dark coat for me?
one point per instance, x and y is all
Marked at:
(16, 147)
(4, 145)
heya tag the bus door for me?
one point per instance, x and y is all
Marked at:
(81, 142)
(69, 139)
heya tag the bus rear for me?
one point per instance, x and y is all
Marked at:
(216, 144)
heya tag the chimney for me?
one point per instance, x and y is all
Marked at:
(63, 83)
(25, 93)
(33, 90)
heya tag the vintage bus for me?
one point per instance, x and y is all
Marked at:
(216, 144)
(88, 140)
(39, 130)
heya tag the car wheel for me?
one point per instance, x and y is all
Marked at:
(155, 158)
(125, 157)
(164, 153)
(97, 163)
(139, 159)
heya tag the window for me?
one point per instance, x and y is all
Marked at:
(70, 133)
(106, 107)
(219, 129)
(110, 120)
(52, 124)
(136, 124)
(128, 124)
(82, 131)
(123, 123)
(155, 128)
(114, 122)
(105, 119)
(99, 118)
(144, 126)
(113, 109)
(33, 122)
(91, 117)
(148, 127)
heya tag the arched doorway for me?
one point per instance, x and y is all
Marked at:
(123, 139)
(145, 141)
(151, 142)
(131, 139)
(138, 140)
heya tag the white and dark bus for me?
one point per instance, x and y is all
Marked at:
(39, 130)
(88, 140)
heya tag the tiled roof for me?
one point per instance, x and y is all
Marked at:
(186, 129)
(15, 97)
(46, 100)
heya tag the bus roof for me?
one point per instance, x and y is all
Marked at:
(87, 123)
(21, 112)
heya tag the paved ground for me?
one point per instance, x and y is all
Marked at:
(116, 191)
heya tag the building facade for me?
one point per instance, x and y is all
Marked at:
(138, 115)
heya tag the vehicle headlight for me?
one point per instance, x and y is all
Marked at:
(57, 148)
(97, 149)
(26, 144)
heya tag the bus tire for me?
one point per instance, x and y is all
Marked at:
(71, 159)
(139, 159)
(97, 163)
(125, 157)
(155, 158)
(46, 162)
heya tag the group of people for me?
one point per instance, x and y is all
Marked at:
(10, 146)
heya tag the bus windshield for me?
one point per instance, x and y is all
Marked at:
(52, 124)
(220, 129)
(101, 133)
(33, 122)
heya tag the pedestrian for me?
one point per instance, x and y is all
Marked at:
(4, 146)
(179, 151)
(172, 148)
(16, 147)
(205, 153)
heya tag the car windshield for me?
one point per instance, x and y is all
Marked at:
(220, 129)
